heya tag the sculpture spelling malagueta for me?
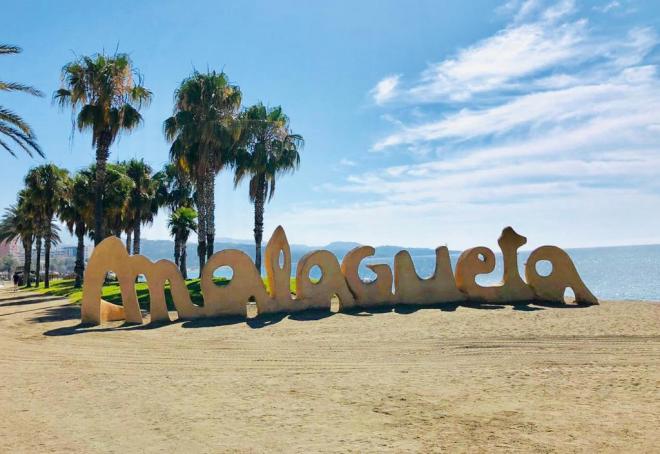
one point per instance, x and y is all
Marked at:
(337, 281)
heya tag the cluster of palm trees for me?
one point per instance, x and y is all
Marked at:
(132, 195)
(208, 131)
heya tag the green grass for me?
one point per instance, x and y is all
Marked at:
(112, 293)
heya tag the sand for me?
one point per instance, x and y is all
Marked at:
(511, 379)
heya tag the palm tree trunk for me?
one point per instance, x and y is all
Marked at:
(102, 154)
(201, 227)
(136, 235)
(38, 265)
(182, 260)
(48, 240)
(79, 269)
(129, 234)
(27, 263)
(177, 249)
(210, 223)
(259, 222)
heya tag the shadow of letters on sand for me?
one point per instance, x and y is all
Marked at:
(338, 281)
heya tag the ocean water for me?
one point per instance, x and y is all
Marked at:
(611, 273)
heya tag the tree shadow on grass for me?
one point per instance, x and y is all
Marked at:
(19, 296)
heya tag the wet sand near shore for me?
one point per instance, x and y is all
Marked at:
(479, 379)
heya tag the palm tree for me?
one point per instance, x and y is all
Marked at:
(115, 197)
(202, 131)
(77, 212)
(116, 191)
(143, 200)
(181, 223)
(17, 224)
(176, 192)
(47, 185)
(32, 209)
(12, 126)
(22, 221)
(270, 149)
(107, 93)
(177, 189)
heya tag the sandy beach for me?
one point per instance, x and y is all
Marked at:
(494, 378)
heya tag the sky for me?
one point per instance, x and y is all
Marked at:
(425, 122)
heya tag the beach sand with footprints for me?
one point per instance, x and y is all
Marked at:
(478, 379)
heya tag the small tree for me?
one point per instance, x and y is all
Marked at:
(181, 223)
(8, 264)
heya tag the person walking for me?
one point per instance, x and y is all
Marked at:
(16, 279)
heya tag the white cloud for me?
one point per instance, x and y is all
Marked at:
(550, 120)
(347, 162)
(632, 93)
(521, 49)
(608, 6)
(385, 90)
(575, 220)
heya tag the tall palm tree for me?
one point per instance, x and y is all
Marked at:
(202, 131)
(47, 185)
(181, 223)
(77, 212)
(107, 93)
(12, 126)
(143, 199)
(270, 149)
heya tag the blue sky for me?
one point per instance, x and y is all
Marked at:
(425, 122)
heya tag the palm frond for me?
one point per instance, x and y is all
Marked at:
(9, 49)
(13, 86)
(24, 141)
(8, 116)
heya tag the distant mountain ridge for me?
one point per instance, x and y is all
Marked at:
(164, 249)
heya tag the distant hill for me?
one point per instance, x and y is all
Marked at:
(164, 249)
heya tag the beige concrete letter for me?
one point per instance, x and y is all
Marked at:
(111, 255)
(481, 260)
(472, 262)
(231, 299)
(563, 275)
(411, 289)
(375, 293)
(512, 288)
(318, 295)
(279, 277)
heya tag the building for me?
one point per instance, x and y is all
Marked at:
(70, 251)
(13, 248)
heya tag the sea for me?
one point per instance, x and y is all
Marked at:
(611, 273)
